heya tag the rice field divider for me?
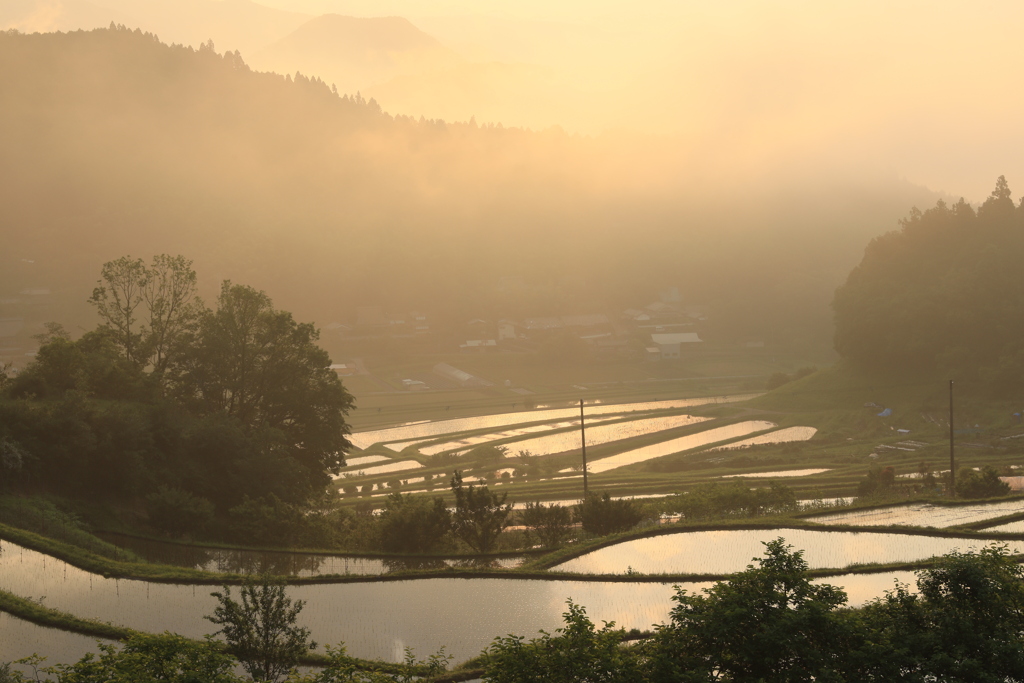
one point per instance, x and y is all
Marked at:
(533, 571)
(325, 552)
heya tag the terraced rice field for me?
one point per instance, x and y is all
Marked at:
(787, 435)
(678, 445)
(423, 430)
(923, 514)
(374, 619)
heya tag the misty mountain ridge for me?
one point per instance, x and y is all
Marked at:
(118, 144)
(355, 52)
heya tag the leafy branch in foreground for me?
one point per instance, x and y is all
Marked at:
(261, 630)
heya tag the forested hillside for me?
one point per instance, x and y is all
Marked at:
(115, 144)
(944, 293)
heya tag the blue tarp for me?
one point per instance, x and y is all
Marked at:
(885, 413)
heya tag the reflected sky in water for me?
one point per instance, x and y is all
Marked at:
(376, 619)
(923, 514)
(727, 551)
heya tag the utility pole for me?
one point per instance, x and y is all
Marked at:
(952, 467)
(583, 441)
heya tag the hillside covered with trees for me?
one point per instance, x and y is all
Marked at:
(116, 143)
(945, 293)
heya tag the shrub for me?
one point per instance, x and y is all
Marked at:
(412, 525)
(550, 522)
(986, 484)
(601, 515)
(176, 512)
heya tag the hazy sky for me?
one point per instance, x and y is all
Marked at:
(923, 89)
(926, 91)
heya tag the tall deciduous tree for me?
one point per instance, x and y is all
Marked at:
(148, 309)
(117, 300)
(172, 305)
(257, 365)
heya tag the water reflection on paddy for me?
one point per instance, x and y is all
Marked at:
(20, 638)
(787, 435)
(727, 551)
(923, 514)
(427, 429)
(377, 619)
(233, 561)
(683, 443)
(1008, 528)
(567, 441)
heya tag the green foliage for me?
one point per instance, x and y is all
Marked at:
(966, 624)
(343, 669)
(217, 404)
(413, 525)
(878, 481)
(549, 522)
(258, 366)
(944, 293)
(266, 521)
(769, 623)
(261, 630)
(575, 653)
(479, 516)
(984, 484)
(601, 515)
(146, 658)
(176, 512)
(734, 499)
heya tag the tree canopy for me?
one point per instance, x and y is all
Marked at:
(945, 292)
(223, 404)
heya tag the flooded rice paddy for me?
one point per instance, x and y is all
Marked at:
(422, 430)
(1008, 528)
(787, 435)
(255, 562)
(19, 638)
(777, 474)
(923, 514)
(683, 443)
(376, 619)
(728, 551)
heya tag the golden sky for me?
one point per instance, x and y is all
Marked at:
(925, 91)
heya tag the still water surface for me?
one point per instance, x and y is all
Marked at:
(924, 514)
(232, 561)
(422, 430)
(683, 443)
(377, 619)
(728, 551)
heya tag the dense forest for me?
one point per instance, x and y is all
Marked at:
(117, 143)
(945, 293)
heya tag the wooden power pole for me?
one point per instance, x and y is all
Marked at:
(583, 441)
(952, 465)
